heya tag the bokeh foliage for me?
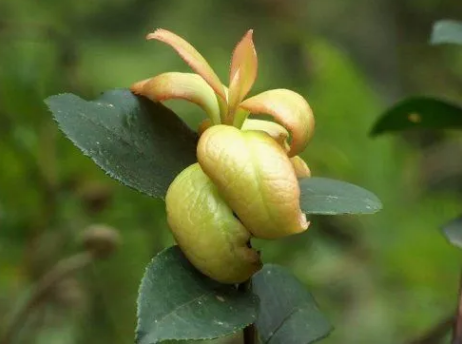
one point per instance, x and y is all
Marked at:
(389, 277)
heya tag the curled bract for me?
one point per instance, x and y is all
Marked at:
(245, 183)
(227, 105)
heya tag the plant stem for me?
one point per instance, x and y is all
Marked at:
(60, 271)
(437, 333)
(457, 334)
(250, 332)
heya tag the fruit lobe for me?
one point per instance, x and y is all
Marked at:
(255, 177)
(207, 231)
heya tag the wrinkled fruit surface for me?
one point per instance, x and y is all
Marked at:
(243, 185)
(255, 177)
(204, 226)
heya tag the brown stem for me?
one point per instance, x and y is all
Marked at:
(437, 333)
(250, 332)
(60, 271)
(457, 334)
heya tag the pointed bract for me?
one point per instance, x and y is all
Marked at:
(290, 110)
(191, 56)
(174, 85)
(243, 71)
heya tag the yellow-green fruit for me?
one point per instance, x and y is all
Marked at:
(255, 177)
(207, 231)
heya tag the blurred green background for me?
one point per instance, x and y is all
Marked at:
(385, 278)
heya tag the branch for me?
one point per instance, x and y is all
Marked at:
(250, 332)
(457, 334)
(437, 333)
(59, 272)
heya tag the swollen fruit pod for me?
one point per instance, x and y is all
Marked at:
(256, 178)
(207, 231)
(245, 183)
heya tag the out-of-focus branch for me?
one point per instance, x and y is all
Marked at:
(440, 330)
(437, 333)
(457, 334)
(99, 241)
(45, 285)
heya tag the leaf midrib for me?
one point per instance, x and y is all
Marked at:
(163, 318)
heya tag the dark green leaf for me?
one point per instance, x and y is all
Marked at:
(325, 196)
(453, 232)
(176, 302)
(419, 113)
(446, 31)
(288, 313)
(138, 142)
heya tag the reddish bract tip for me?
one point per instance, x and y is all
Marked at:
(191, 56)
(243, 71)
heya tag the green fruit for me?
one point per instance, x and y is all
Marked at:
(207, 231)
(255, 177)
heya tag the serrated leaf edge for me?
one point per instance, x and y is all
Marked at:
(372, 198)
(85, 152)
(293, 312)
(235, 330)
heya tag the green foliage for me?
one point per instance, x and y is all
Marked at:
(287, 313)
(140, 143)
(446, 31)
(375, 282)
(199, 308)
(453, 232)
(145, 146)
(323, 196)
(176, 302)
(419, 113)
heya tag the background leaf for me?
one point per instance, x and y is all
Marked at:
(446, 31)
(419, 113)
(323, 196)
(453, 232)
(288, 313)
(176, 302)
(136, 141)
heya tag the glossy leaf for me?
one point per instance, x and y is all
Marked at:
(446, 31)
(136, 141)
(176, 302)
(453, 232)
(419, 113)
(288, 313)
(323, 196)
